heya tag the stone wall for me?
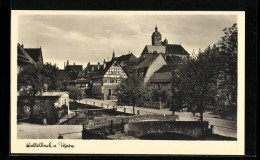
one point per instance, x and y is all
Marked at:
(194, 129)
(155, 105)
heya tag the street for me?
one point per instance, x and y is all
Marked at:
(224, 127)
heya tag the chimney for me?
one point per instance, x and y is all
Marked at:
(64, 64)
(67, 62)
(104, 64)
(98, 65)
(74, 63)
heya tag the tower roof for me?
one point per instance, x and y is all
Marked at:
(156, 32)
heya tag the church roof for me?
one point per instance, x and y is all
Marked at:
(151, 49)
(168, 49)
(176, 49)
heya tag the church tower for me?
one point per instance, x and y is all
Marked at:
(156, 37)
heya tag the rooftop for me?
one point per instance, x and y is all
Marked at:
(54, 94)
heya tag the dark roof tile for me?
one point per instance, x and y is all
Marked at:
(176, 49)
(35, 53)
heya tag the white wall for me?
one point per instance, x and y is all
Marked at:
(157, 64)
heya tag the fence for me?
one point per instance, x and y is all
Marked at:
(119, 108)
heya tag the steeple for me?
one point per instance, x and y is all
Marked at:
(113, 55)
(156, 37)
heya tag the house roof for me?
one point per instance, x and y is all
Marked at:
(146, 62)
(166, 68)
(51, 94)
(74, 68)
(23, 56)
(34, 53)
(95, 72)
(173, 60)
(161, 77)
(176, 49)
(126, 57)
(164, 74)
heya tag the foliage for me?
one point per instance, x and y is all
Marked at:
(132, 91)
(34, 79)
(61, 78)
(212, 73)
(75, 93)
(157, 95)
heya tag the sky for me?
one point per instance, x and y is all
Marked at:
(92, 38)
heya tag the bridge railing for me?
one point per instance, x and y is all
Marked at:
(119, 108)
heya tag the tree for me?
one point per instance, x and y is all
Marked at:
(34, 79)
(206, 75)
(75, 94)
(132, 91)
(227, 47)
(195, 81)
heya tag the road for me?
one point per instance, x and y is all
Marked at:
(224, 127)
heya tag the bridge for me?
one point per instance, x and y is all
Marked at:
(194, 129)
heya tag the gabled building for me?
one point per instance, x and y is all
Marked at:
(162, 47)
(148, 65)
(28, 56)
(127, 62)
(104, 78)
(162, 78)
(47, 104)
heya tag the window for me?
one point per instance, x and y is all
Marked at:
(109, 92)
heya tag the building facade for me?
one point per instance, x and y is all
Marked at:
(104, 78)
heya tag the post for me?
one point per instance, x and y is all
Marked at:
(60, 136)
(211, 129)
(44, 121)
(124, 110)
(122, 126)
(112, 128)
(83, 131)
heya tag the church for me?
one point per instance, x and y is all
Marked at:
(162, 47)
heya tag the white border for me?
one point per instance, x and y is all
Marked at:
(134, 146)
